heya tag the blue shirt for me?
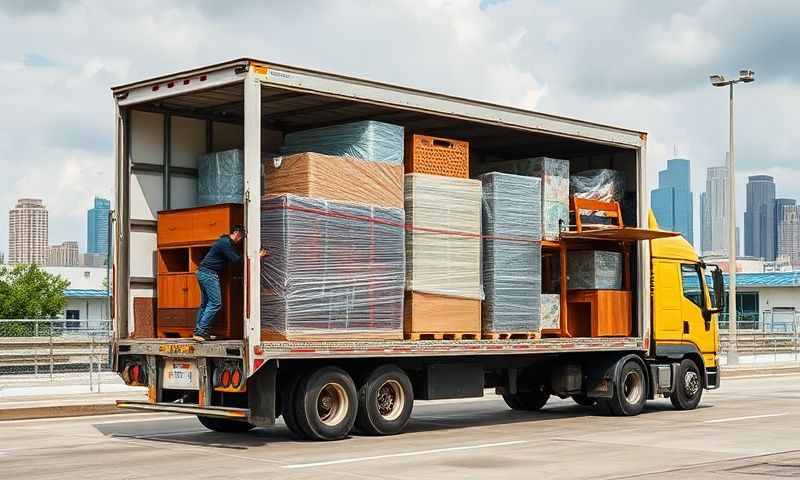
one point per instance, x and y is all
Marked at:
(222, 252)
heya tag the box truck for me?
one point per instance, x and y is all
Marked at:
(322, 388)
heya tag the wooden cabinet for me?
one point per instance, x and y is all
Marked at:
(184, 238)
(599, 313)
(199, 225)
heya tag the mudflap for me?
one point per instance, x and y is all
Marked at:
(262, 395)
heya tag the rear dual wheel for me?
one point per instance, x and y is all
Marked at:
(385, 401)
(322, 406)
(225, 425)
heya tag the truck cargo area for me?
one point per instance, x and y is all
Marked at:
(391, 274)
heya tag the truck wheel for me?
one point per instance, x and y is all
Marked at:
(326, 403)
(288, 394)
(530, 401)
(630, 391)
(224, 425)
(583, 400)
(385, 401)
(689, 388)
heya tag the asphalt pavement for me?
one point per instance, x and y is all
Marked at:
(748, 429)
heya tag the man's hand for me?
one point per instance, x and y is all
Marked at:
(263, 253)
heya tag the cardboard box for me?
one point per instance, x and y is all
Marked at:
(335, 178)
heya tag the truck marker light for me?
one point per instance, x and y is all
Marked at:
(203, 78)
(186, 82)
(170, 84)
(236, 378)
(156, 87)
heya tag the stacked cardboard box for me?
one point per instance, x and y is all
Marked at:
(554, 174)
(512, 256)
(334, 270)
(338, 178)
(443, 248)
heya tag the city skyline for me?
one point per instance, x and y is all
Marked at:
(672, 202)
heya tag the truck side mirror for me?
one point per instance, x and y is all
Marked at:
(719, 287)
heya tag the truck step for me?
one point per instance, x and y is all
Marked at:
(415, 336)
(510, 335)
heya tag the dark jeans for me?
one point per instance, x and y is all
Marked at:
(210, 300)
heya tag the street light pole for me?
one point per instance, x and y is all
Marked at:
(733, 355)
(745, 76)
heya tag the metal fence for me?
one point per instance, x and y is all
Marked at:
(54, 349)
(771, 337)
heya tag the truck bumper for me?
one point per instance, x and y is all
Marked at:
(190, 409)
(712, 378)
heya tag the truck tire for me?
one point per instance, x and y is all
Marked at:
(224, 425)
(583, 400)
(326, 402)
(288, 393)
(385, 401)
(529, 401)
(689, 386)
(630, 391)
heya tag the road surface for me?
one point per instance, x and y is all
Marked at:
(748, 429)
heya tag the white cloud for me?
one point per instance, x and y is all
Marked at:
(640, 65)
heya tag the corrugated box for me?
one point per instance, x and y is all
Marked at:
(334, 270)
(335, 178)
(512, 258)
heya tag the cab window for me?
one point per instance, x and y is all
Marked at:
(692, 284)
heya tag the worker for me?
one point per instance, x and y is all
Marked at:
(222, 252)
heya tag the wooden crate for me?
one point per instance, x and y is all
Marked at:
(439, 317)
(270, 335)
(437, 156)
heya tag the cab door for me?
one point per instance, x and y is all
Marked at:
(699, 324)
(667, 298)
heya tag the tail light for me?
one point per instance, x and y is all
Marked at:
(225, 379)
(236, 378)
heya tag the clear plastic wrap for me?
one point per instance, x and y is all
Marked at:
(334, 270)
(601, 184)
(443, 246)
(555, 188)
(551, 311)
(594, 270)
(367, 140)
(220, 178)
(335, 178)
(512, 253)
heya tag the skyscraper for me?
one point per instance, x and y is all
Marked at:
(789, 234)
(672, 200)
(705, 224)
(64, 255)
(777, 214)
(714, 221)
(97, 227)
(27, 232)
(758, 218)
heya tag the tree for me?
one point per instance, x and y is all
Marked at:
(27, 291)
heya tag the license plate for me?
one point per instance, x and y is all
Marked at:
(180, 375)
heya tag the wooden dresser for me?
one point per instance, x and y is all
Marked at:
(184, 238)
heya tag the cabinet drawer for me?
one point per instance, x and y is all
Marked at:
(210, 224)
(174, 228)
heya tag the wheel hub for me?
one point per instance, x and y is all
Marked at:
(390, 399)
(691, 382)
(632, 387)
(332, 404)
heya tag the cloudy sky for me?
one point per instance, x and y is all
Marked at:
(641, 65)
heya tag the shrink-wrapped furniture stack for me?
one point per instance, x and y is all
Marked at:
(512, 269)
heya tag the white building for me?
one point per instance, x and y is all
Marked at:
(714, 212)
(768, 301)
(87, 295)
(64, 255)
(27, 232)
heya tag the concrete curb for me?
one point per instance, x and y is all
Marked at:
(749, 371)
(57, 411)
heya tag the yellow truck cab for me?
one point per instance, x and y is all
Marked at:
(687, 297)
